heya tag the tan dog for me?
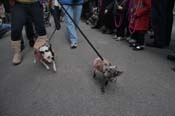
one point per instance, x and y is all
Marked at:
(110, 72)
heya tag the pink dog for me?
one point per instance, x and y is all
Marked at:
(110, 72)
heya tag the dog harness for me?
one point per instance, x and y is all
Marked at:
(38, 55)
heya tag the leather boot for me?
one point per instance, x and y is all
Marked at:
(17, 57)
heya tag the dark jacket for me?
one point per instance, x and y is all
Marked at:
(113, 6)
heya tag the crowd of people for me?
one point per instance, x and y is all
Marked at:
(133, 20)
(126, 19)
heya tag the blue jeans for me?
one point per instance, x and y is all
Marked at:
(4, 28)
(75, 13)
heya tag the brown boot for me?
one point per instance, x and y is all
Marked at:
(17, 58)
(41, 40)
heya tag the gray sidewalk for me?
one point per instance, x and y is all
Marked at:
(147, 87)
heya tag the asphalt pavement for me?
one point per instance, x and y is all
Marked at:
(146, 88)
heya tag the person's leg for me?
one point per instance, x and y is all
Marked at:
(139, 41)
(36, 11)
(109, 22)
(56, 13)
(30, 31)
(71, 29)
(4, 28)
(18, 20)
(121, 29)
(169, 20)
(77, 13)
(100, 21)
(158, 21)
(133, 40)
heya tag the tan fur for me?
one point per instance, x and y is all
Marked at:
(98, 64)
(41, 40)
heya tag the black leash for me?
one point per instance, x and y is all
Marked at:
(85, 37)
(52, 34)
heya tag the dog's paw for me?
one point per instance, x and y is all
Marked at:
(94, 75)
(47, 67)
(54, 66)
(54, 69)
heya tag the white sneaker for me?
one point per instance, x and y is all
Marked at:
(119, 38)
(115, 37)
(74, 45)
(128, 38)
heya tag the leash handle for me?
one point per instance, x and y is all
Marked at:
(85, 37)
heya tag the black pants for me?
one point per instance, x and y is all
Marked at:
(20, 13)
(100, 21)
(29, 30)
(139, 36)
(124, 23)
(108, 21)
(56, 13)
(169, 20)
(162, 20)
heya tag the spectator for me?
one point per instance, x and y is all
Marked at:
(120, 12)
(139, 21)
(162, 20)
(108, 18)
(101, 9)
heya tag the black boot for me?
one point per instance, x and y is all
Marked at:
(31, 42)
(22, 44)
(171, 57)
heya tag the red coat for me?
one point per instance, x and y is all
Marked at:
(140, 15)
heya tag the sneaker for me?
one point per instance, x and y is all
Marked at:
(131, 41)
(74, 45)
(128, 38)
(138, 48)
(119, 38)
(132, 44)
(115, 37)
